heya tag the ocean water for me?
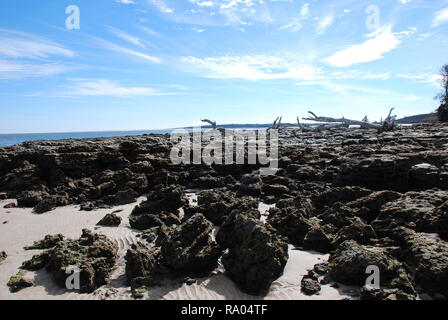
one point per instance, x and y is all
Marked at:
(13, 139)
(7, 140)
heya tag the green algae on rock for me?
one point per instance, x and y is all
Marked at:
(18, 282)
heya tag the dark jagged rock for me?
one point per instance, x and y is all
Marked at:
(189, 249)
(10, 205)
(340, 194)
(411, 211)
(168, 199)
(257, 254)
(37, 262)
(250, 185)
(378, 173)
(185, 250)
(371, 293)
(148, 221)
(317, 239)
(292, 221)
(3, 256)
(93, 254)
(348, 265)
(309, 286)
(19, 282)
(338, 215)
(428, 256)
(30, 199)
(217, 205)
(143, 267)
(51, 203)
(373, 203)
(424, 176)
(46, 243)
(357, 230)
(110, 220)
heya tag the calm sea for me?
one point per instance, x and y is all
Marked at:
(12, 139)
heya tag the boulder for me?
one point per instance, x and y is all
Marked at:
(143, 267)
(19, 282)
(292, 221)
(349, 262)
(148, 221)
(256, 254)
(357, 230)
(411, 210)
(189, 248)
(217, 205)
(424, 176)
(309, 286)
(51, 203)
(94, 255)
(110, 220)
(168, 199)
(427, 254)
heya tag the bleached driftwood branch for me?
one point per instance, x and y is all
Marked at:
(277, 123)
(212, 123)
(387, 125)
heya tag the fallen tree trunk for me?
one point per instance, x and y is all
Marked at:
(387, 125)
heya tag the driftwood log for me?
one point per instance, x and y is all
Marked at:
(387, 125)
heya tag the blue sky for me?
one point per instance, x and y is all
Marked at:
(152, 64)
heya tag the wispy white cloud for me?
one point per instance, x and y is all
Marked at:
(256, 67)
(373, 49)
(127, 37)
(125, 1)
(117, 48)
(19, 70)
(440, 17)
(15, 44)
(430, 78)
(324, 23)
(102, 88)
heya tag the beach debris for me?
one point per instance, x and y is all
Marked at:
(256, 254)
(49, 241)
(110, 220)
(18, 282)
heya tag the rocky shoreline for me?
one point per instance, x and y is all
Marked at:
(363, 198)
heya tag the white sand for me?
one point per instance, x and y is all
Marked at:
(22, 228)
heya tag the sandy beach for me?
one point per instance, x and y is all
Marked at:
(21, 227)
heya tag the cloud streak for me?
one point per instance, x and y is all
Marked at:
(373, 49)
